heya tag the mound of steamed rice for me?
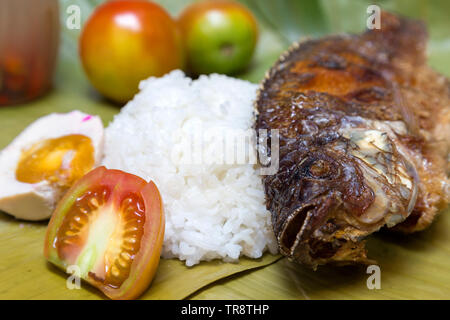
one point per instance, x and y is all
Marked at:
(213, 211)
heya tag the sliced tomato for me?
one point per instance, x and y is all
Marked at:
(111, 225)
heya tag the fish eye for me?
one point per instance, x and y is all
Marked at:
(319, 167)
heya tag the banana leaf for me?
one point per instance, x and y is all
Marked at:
(415, 266)
(24, 273)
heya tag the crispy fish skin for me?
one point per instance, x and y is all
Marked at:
(364, 131)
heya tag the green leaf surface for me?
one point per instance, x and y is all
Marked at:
(412, 267)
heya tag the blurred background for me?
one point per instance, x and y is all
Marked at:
(281, 22)
(285, 21)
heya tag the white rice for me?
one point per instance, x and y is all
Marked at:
(213, 211)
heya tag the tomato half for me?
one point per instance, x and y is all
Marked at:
(110, 224)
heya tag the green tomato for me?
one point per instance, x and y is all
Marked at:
(219, 36)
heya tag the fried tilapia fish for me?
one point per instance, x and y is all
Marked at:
(364, 132)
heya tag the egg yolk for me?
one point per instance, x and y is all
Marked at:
(60, 160)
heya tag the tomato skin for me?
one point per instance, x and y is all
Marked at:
(126, 41)
(146, 271)
(50, 251)
(146, 260)
(219, 36)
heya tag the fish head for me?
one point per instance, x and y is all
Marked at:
(343, 189)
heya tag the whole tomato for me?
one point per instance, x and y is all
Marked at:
(219, 36)
(126, 41)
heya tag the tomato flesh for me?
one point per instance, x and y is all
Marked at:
(111, 227)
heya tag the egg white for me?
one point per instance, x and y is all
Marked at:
(36, 201)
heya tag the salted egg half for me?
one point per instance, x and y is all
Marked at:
(43, 161)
